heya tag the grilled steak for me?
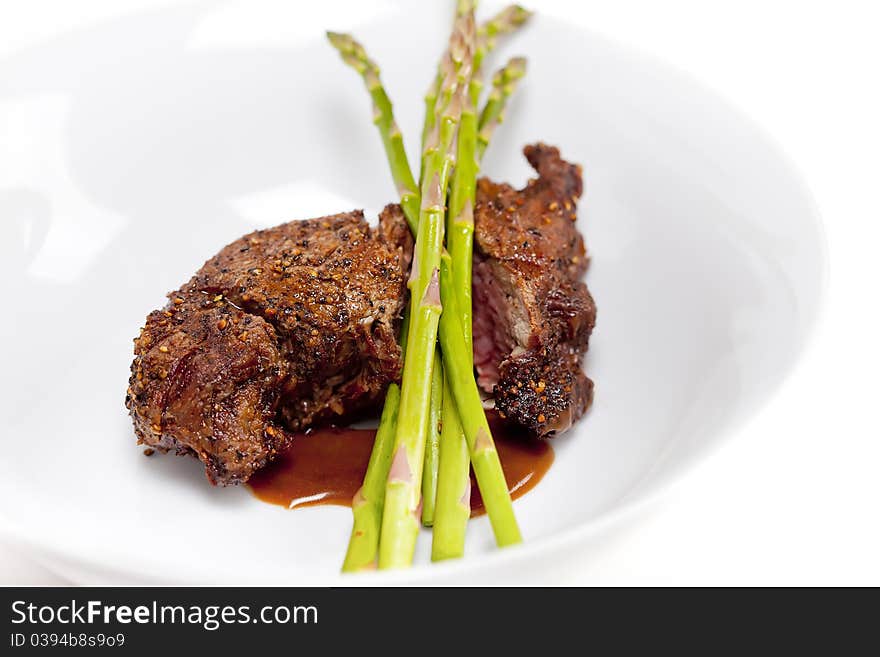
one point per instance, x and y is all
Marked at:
(532, 314)
(295, 325)
(283, 328)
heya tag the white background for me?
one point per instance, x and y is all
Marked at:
(795, 497)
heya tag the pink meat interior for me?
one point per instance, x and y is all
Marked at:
(492, 340)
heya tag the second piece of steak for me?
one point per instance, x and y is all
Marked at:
(532, 314)
(283, 328)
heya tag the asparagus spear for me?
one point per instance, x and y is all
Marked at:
(453, 487)
(504, 22)
(454, 482)
(402, 493)
(366, 507)
(430, 475)
(484, 456)
(354, 54)
(432, 444)
(461, 216)
(363, 545)
(453, 506)
(454, 477)
(503, 85)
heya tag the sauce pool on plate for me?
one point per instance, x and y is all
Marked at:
(327, 466)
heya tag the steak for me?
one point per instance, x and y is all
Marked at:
(297, 325)
(282, 329)
(532, 315)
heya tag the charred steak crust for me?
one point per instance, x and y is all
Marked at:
(283, 328)
(533, 316)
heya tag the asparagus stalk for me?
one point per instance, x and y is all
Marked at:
(461, 216)
(453, 489)
(367, 504)
(454, 475)
(432, 444)
(504, 22)
(484, 456)
(403, 489)
(453, 493)
(503, 85)
(462, 7)
(354, 54)
(432, 454)
(453, 507)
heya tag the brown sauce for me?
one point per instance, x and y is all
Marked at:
(327, 466)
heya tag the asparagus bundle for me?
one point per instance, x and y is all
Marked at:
(400, 524)
(451, 528)
(409, 463)
(453, 490)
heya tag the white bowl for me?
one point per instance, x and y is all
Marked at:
(135, 149)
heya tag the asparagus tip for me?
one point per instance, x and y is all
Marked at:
(513, 71)
(339, 40)
(519, 14)
(517, 66)
(465, 6)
